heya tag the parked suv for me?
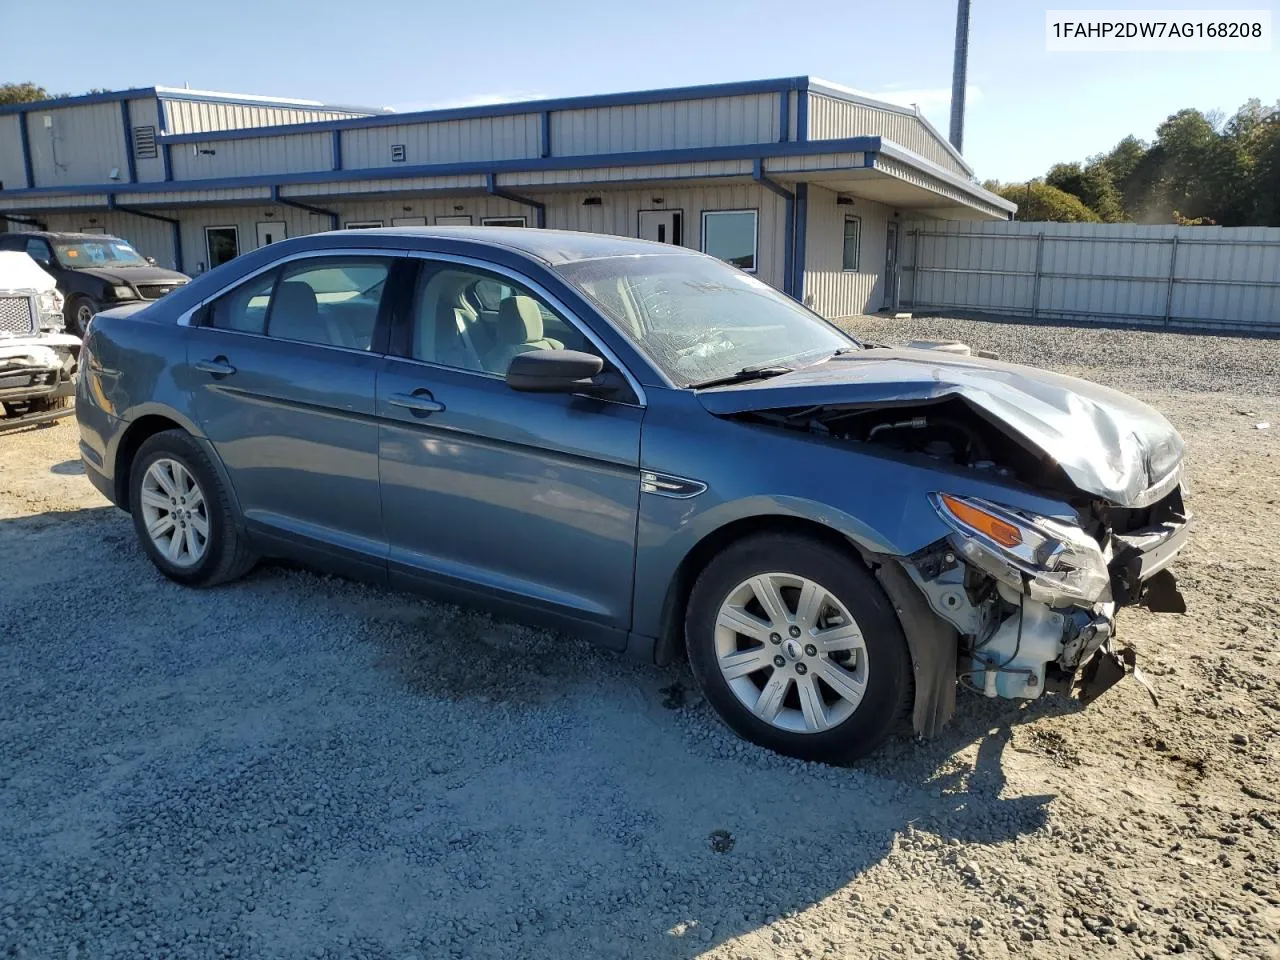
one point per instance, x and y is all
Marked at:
(94, 271)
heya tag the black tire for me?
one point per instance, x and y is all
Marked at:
(72, 313)
(228, 555)
(45, 404)
(888, 691)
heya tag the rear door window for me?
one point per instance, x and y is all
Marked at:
(332, 301)
(245, 308)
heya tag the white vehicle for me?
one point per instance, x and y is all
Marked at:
(38, 360)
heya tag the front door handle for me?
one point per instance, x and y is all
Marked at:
(218, 366)
(420, 402)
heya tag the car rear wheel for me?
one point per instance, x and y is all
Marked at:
(798, 649)
(183, 514)
(77, 314)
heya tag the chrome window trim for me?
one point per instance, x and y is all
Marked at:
(551, 300)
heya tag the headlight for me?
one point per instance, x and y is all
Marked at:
(122, 293)
(1061, 561)
(51, 302)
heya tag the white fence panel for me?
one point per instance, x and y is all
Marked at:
(1201, 278)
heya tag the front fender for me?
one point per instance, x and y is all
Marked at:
(877, 500)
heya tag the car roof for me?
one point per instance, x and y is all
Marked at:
(551, 246)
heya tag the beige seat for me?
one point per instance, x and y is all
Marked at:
(519, 331)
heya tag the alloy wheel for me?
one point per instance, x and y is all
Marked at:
(791, 652)
(174, 512)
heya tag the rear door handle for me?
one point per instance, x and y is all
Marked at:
(420, 401)
(217, 366)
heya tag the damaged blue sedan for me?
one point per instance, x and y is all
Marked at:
(640, 443)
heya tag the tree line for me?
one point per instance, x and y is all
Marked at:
(1202, 168)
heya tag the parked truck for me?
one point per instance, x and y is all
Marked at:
(38, 359)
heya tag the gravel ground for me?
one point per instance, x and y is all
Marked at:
(299, 766)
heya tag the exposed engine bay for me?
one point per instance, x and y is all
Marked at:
(1033, 598)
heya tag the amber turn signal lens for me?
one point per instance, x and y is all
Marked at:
(1001, 531)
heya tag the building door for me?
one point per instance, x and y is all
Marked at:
(222, 244)
(891, 267)
(98, 230)
(409, 221)
(269, 231)
(464, 220)
(663, 226)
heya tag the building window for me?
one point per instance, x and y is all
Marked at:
(731, 236)
(222, 244)
(852, 243)
(502, 222)
(363, 224)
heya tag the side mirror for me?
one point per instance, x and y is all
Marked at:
(558, 371)
(150, 260)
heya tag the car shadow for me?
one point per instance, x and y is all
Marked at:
(545, 797)
(68, 468)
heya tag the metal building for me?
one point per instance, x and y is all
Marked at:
(802, 182)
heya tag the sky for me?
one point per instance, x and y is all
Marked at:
(1027, 108)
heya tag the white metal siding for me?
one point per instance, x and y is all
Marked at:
(146, 113)
(430, 208)
(832, 119)
(13, 173)
(666, 126)
(664, 171)
(245, 220)
(1098, 272)
(618, 213)
(222, 195)
(828, 288)
(82, 145)
(208, 159)
(450, 141)
(199, 116)
(474, 182)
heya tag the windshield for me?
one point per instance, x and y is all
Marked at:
(700, 319)
(97, 253)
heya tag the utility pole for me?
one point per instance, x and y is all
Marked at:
(959, 74)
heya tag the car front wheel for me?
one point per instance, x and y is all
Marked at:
(182, 513)
(797, 648)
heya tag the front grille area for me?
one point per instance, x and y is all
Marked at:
(41, 378)
(154, 291)
(17, 315)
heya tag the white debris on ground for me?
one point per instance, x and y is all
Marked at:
(298, 766)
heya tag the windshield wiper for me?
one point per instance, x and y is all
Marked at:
(761, 372)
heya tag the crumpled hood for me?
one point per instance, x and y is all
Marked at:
(1107, 443)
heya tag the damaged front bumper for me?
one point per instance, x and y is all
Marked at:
(1029, 623)
(37, 367)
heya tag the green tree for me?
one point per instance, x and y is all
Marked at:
(21, 93)
(1039, 201)
(1094, 186)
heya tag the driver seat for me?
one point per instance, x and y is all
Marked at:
(519, 331)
